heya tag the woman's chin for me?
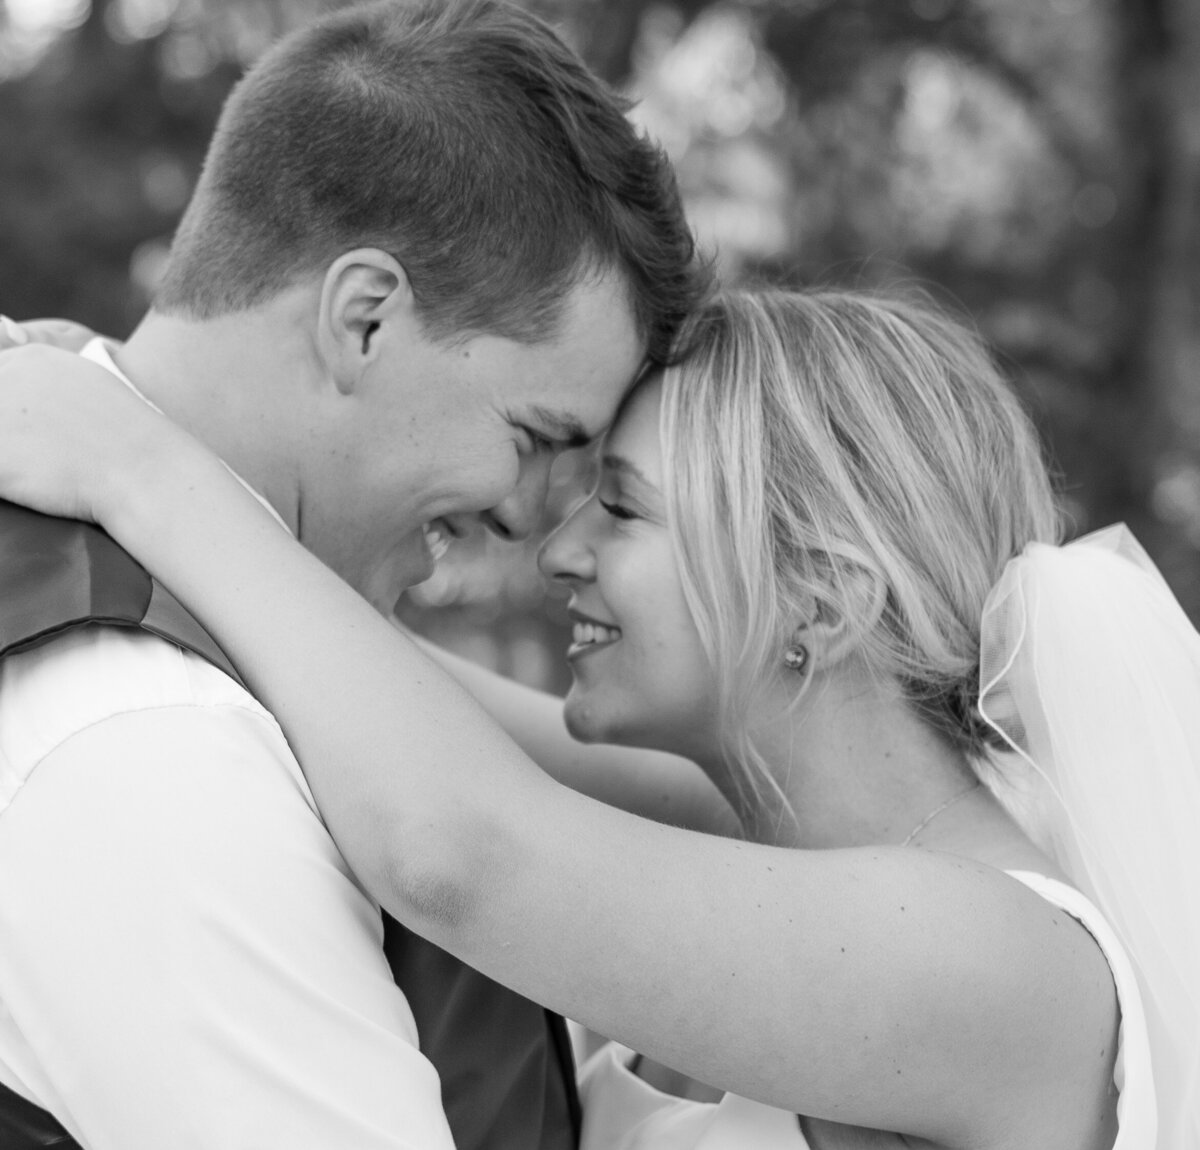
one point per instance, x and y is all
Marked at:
(583, 724)
(588, 722)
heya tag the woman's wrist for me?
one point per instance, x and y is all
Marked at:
(149, 487)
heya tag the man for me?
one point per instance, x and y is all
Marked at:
(426, 252)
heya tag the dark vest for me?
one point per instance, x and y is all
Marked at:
(508, 1079)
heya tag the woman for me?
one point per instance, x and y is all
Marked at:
(781, 575)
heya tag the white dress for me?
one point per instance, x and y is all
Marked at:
(621, 1112)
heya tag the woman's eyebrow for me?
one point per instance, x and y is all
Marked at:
(625, 467)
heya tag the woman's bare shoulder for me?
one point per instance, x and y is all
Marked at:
(1046, 1017)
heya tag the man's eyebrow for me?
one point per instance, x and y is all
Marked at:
(561, 427)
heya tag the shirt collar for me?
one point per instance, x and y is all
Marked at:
(98, 351)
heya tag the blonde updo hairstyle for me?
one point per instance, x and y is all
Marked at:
(810, 437)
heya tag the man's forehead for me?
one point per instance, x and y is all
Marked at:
(602, 354)
(580, 413)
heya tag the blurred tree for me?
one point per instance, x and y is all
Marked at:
(1161, 40)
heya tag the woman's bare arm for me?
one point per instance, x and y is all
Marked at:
(881, 987)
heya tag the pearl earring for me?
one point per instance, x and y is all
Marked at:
(795, 658)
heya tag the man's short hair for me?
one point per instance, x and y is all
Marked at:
(466, 139)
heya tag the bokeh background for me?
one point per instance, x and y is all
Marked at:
(1033, 163)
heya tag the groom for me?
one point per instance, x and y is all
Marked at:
(427, 251)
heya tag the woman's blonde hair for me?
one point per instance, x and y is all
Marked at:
(854, 457)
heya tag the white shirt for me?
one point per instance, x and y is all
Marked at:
(185, 958)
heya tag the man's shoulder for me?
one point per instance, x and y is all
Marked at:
(94, 673)
(105, 667)
(78, 620)
(56, 574)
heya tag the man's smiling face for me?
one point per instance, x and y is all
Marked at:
(447, 436)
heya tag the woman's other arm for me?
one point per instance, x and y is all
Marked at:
(61, 333)
(653, 784)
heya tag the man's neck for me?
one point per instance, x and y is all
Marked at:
(227, 381)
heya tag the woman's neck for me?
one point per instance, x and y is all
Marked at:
(854, 766)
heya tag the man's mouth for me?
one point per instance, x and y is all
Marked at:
(437, 539)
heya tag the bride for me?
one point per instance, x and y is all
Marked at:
(819, 562)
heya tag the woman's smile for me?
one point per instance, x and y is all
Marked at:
(588, 635)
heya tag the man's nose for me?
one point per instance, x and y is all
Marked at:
(517, 515)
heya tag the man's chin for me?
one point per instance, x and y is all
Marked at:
(386, 605)
(385, 589)
(406, 566)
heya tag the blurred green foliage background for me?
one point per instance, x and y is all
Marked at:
(1034, 163)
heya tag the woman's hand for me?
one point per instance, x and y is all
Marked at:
(73, 438)
(63, 333)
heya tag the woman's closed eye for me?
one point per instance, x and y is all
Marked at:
(618, 510)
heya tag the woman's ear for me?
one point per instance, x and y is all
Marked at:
(839, 620)
(361, 291)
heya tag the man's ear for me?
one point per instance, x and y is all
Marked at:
(362, 290)
(835, 628)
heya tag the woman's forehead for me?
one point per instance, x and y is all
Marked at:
(633, 442)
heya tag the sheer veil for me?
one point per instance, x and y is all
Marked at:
(1090, 671)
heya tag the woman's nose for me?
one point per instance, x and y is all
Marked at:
(567, 555)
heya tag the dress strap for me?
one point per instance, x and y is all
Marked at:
(1137, 1109)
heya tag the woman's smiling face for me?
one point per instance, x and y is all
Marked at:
(642, 677)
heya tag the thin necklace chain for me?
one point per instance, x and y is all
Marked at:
(933, 814)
